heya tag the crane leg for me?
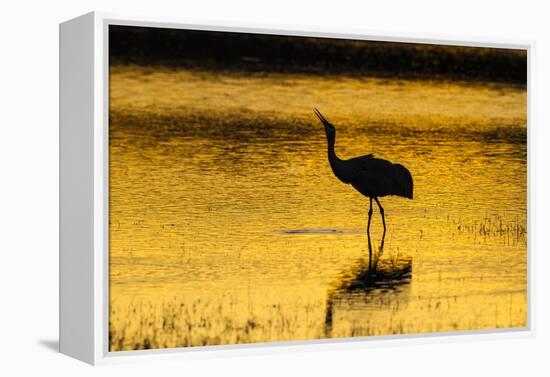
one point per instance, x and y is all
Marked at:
(370, 251)
(370, 216)
(383, 218)
(368, 234)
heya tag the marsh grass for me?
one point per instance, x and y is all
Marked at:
(508, 231)
(178, 322)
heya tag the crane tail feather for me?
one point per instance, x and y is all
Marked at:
(403, 181)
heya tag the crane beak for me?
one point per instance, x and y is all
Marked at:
(321, 117)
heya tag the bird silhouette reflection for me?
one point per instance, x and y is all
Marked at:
(368, 277)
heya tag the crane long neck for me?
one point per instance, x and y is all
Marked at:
(332, 158)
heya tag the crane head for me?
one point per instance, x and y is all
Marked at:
(329, 128)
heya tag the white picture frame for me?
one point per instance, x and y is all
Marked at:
(84, 190)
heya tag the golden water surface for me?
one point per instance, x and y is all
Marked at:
(228, 226)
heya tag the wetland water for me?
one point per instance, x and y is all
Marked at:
(228, 226)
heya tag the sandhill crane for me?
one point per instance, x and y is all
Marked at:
(372, 177)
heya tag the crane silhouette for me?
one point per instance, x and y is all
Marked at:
(372, 177)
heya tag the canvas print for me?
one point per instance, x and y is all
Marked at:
(267, 188)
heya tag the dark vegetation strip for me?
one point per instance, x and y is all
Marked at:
(273, 53)
(257, 128)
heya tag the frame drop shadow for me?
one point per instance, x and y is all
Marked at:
(51, 344)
